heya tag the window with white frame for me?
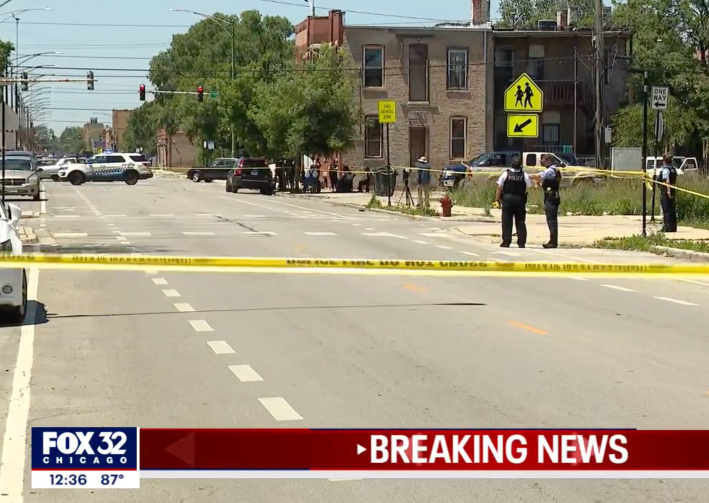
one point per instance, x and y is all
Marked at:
(374, 66)
(458, 137)
(373, 137)
(457, 69)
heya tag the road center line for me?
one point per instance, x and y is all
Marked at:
(280, 409)
(12, 462)
(528, 328)
(245, 373)
(201, 326)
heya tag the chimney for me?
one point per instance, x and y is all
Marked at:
(480, 12)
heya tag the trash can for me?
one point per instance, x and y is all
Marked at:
(385, 181)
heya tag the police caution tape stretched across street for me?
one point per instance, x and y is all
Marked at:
(342, 266)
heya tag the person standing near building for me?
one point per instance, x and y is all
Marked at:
(511, 195)
(668, 176)
(551, 181)
(423, 175)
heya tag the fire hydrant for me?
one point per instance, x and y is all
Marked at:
(446, 206)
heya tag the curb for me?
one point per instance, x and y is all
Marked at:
(680, 253)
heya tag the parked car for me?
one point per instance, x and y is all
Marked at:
(21, 175)
(102, 168)
(454, 174)
(252, 173)
(13, 282)
(218, 170)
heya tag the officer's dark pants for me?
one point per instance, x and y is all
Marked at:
(513, 210)
(669, 213)
(551, 210)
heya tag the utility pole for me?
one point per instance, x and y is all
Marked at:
(599, 73)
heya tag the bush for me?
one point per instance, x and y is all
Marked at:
(612, 196)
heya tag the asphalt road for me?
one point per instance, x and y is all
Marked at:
(204, 350)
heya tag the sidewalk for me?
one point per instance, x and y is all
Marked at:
(27, 235)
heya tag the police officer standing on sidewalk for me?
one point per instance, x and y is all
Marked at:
(512, 197)
(551, 180)
(668, 175)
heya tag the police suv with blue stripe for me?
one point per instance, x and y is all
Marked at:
(102, 168)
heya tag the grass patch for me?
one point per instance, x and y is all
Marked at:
(413, 210)
(374, 202)
(647, 244)
(611, 196)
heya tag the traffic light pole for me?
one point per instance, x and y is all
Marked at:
(233, 76)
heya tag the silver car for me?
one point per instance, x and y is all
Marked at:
(21, 175)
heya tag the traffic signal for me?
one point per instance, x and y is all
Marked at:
(90, 81)
(200, 94)
(25, 85)
(141, 91)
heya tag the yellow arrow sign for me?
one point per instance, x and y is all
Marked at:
(523, 126)
(524, 95)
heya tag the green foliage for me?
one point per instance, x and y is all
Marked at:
(525, 13)
(648, 244)
(70, 141)
(6, 49)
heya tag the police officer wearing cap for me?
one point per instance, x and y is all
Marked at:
(668, 176)
(511, 195)
(551, 180)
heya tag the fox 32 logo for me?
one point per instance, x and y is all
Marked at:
(85, 448)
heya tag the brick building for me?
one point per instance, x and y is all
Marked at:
(174, 151)
(120, 124)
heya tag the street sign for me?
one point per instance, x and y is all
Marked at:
(660, 95)
(659, 126)
(213, 94)
(524, 95)
(387, 111)
(523, 126)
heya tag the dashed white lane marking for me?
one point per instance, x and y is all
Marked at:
(471, 254)
(320, 233)
(578, 278)
(421, 242)
(675, 301)
(254, 216)
(201, 326)
(151, 271)
(135, 234)
(121, 238)
(162, 215)
(369, 228)
(444, 247)
(259, 233)
(279, 409)
(171, 293)
(66, 216)
(383, 235)
(221, 347)
(619, 288)
(245, 373)
(70, 234)
(184, 308)
(12, 459)
(159, 281)
(357, 225)
(198, 233)
(694, 282)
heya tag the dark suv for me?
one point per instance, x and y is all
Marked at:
(251, 173)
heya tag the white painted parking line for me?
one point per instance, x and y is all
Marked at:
(675, 301)
(201, 326)
(245, 373)
(259, 233)
(160, 281)
(383, 235)
(421, 242)
(171, 293)
(70, 234)
(135, 234)
(221, 347)
(619, 288)
(184, 308)
(471, 254)
(280, 409)
(320, 233)
(198, 233)
(444, 247)
(162, 215)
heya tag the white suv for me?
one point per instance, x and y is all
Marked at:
(116, 161)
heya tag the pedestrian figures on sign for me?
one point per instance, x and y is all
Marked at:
(519, 95)
(528, 93)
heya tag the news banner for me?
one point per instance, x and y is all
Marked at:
(95, 458)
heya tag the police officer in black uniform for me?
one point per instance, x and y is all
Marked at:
(668, 175)
(511, 195)
(551, 180)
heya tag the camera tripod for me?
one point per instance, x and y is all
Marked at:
(407, 191)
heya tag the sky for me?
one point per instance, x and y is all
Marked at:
(117, 39)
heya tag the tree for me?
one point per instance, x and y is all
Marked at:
(6, 49)
(526, 13)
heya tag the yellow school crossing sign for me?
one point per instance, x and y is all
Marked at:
(524, 95)
(523, 126)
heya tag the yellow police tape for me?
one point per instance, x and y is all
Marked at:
(343, 266)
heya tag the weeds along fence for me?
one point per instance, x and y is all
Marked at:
(611, 196)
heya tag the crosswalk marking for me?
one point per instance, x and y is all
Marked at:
(70, 234)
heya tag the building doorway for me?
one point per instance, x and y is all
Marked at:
(418, 144)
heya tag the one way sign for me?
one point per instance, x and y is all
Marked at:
(660, 96)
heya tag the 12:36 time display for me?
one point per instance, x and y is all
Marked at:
(58, 479)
